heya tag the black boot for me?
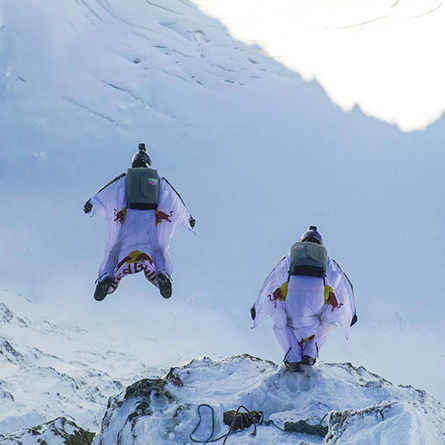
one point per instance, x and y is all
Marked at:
(102, 288)
(308, 360)
(165, 284)
(294, 366)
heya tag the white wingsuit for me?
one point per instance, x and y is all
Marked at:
(303, 309)
(138, 240)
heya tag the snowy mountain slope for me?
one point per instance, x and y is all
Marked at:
(134, 51)
(99, 385)
(47, 371)
(362, 407)
(58, 362)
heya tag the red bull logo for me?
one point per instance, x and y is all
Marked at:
(135, 257)
(332, 300)
(161, 216)
(120, 216)
(133, 263)
(277, 295)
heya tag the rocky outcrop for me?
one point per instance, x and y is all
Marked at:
(143, 399)
(58, 431)
(356, 406)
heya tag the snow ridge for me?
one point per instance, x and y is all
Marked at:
(361, 407)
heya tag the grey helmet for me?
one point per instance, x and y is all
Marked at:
(141, 158)
(312, 236)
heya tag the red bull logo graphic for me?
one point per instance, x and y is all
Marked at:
(152, 181)
(135, 257)
(161, 216)
(133, 263)
(120, 216)
(332, 300)
(276, 295)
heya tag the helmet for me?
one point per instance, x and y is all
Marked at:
(141, 158)
(312, 236)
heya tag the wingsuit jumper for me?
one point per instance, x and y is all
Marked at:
(306, 294)
(142, 210)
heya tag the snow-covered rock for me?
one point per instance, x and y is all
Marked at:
(57, 431)
(6, 316)
(358, 407)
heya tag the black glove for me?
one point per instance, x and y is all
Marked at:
(192, 222)
(87, 207)
(253, 312)
(354, 320)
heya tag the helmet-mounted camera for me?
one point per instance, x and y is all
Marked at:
(312, 236)
(141, 159)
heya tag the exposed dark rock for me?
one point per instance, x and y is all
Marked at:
(144, 398)
(9, 352)
(6, 316)
(339, 421)
(145, 388)
(172, 377)
(61, 428)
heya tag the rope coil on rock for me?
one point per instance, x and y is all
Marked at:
(301, 426)
(256, 418)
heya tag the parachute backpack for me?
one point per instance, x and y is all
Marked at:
(142, 182)
(308, 256)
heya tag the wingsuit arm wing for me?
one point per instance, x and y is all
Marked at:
(334, 274)
(109, 202)
(171, 198)
(272, 295)
(344, 310)
(108, 198)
